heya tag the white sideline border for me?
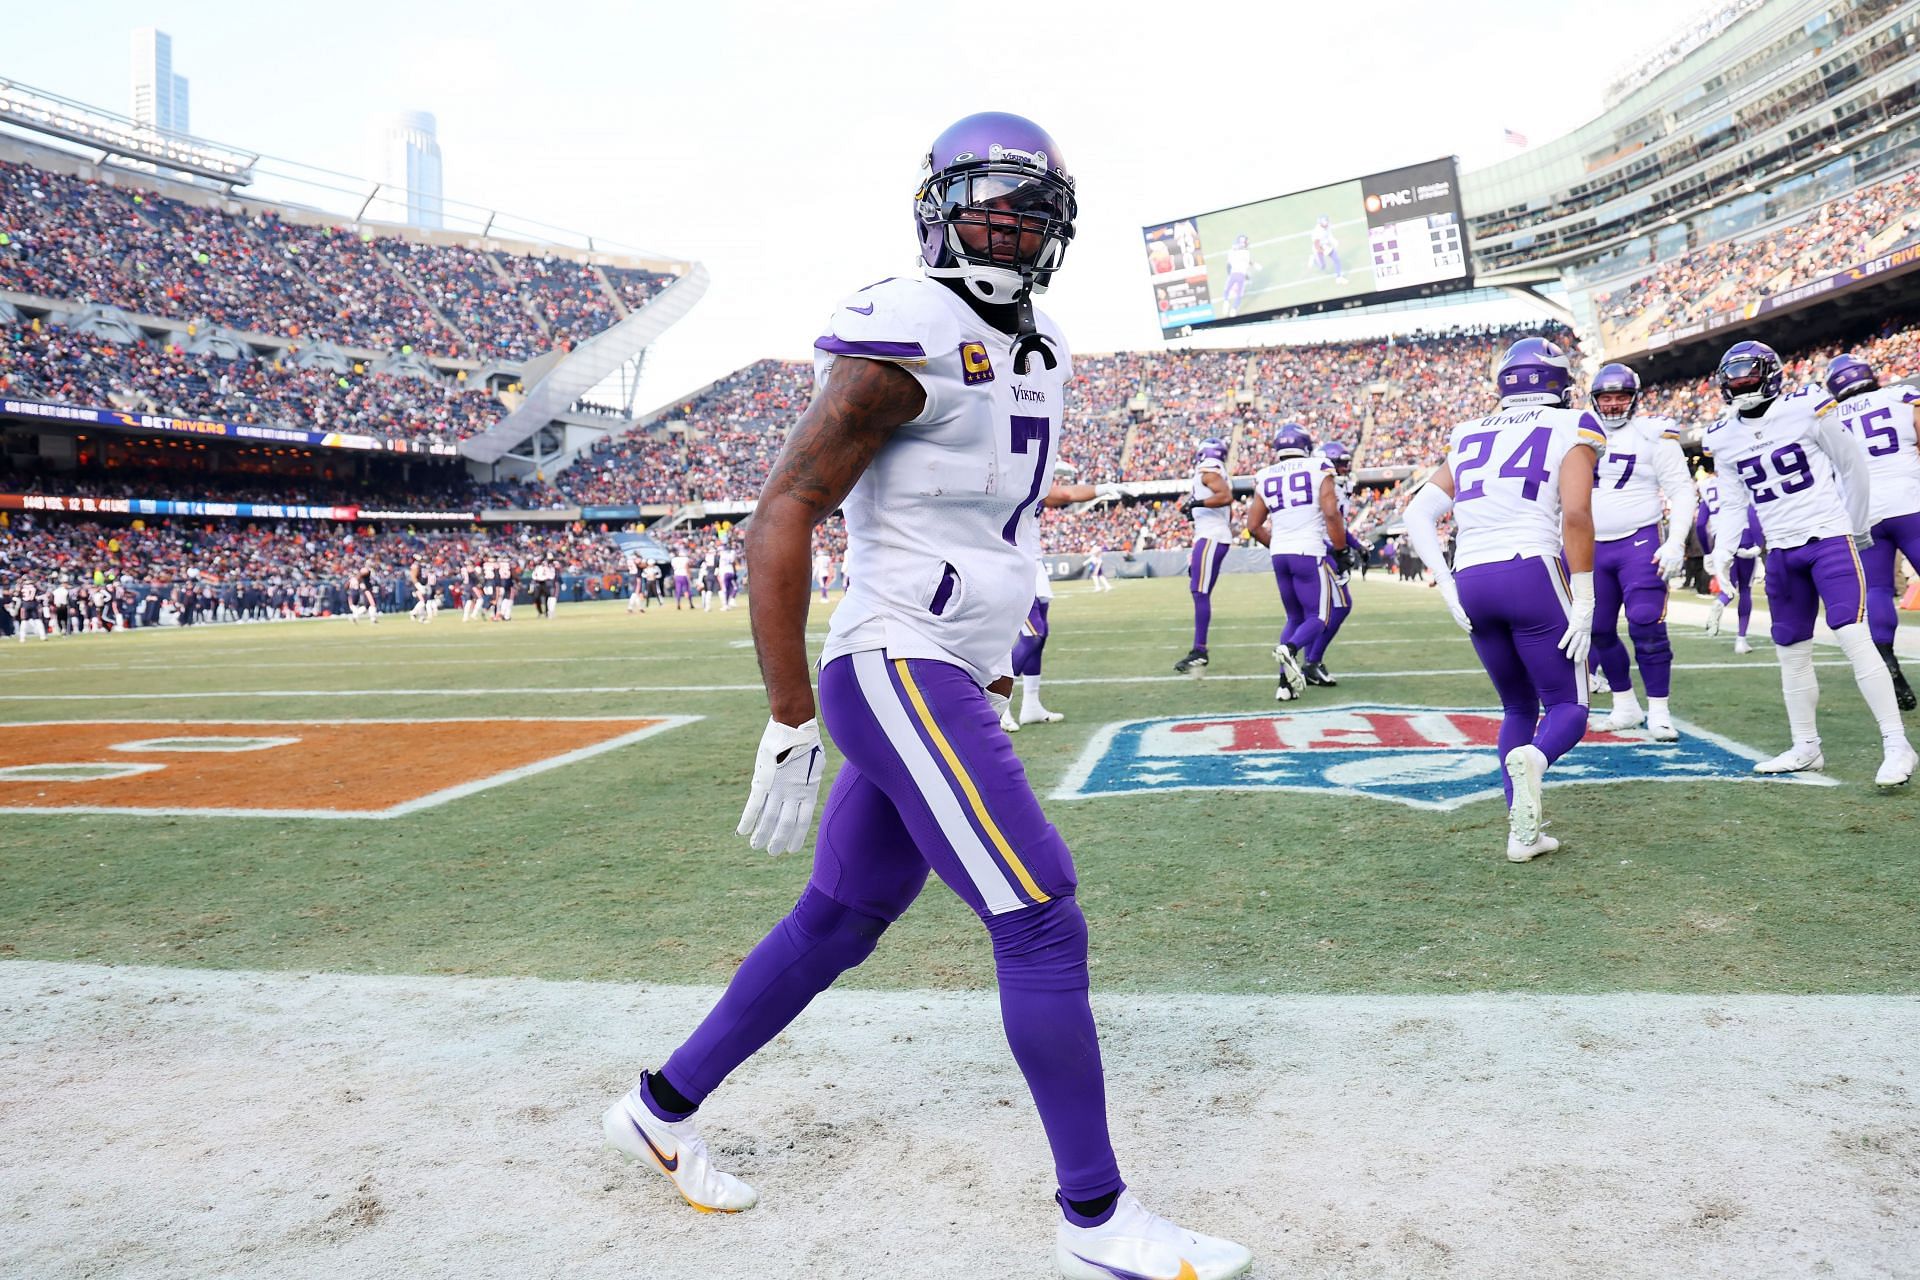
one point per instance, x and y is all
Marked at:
(401, 810)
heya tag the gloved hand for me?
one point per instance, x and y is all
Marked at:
(786, 786)
(1451, 594)
(1861, 541)
(1748, 553)
(1668, 558)
(1578, 637)
(1186, 508)
(1107, 491)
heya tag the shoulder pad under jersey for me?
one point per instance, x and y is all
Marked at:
(905, 320)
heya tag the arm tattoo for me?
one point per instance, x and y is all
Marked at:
(864, 402)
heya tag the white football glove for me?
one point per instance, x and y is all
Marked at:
(1111, 491)
(1578, 637)
(786, 786)
(1748, 553)
(1000, 702)
(1861, 541)
(1668, 558)
(1451, 594)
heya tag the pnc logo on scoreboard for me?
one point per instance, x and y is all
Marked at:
(1424, 757)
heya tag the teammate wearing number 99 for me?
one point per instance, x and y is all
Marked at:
(934, 427)
(1520, 485)
(1788, 458)
(1882, 419)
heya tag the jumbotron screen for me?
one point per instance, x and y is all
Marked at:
(1393, 235)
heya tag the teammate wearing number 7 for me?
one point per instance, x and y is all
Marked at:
(1788, 458)
(1520, 485)
(1643, 465)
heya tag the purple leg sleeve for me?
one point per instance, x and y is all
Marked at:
(1031, 644)
(1743, 588)
(1202, 619)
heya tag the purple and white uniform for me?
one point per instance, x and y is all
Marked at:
(1212, 539)
(1030, 645)
(1507, 567)
(728, 578)
(1738, 582)
(1883, 421)
(1642, 474)
(1782, 465)
(1297, 541)
(1342, 598)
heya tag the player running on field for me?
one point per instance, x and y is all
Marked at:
(1210, 504)
(1788, 457)
(1882, 419)
(1325, 254)
(1643, 470)
(1520, 485)
(1341, 561)
(939, 469)
(1739, 585)
(1296, 516)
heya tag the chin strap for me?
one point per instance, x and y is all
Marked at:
(1028, 339)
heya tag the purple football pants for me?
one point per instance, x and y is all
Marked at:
(1519, 610)
(682, 588)
(1203, 570)
(931, 783)
(727, 588)
(1740, 580)
(1342, 605)
(1031, 644)
(1800, 580)
(1900, 533)
(1306, 593)
(1624, 574)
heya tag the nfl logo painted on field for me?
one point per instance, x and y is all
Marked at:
(1426, 757)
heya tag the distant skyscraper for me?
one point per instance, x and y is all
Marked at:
(159, 96)
(409, 162)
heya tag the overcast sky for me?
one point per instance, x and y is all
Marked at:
(780, 143)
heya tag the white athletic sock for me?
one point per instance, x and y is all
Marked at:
(1657, 708)
(1030, 691)
(1875, 681)
(1623, 699)
(1801, 687)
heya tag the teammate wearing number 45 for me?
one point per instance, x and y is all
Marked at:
(1520, 485)
(1882, 419)
(935, 425)
(1788, 458)
(1643, 466)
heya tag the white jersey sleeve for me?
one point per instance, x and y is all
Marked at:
(1506, 480)
(1212, 523)
(1883, 421)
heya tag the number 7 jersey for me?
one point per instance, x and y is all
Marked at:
(1506, 480)
(943, 523)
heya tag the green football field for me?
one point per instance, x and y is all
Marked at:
(624, 865)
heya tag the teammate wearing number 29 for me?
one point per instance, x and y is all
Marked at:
(1520, 485)
(1788, 458)
(934, 427)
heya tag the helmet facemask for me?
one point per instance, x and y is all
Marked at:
(1000, 205)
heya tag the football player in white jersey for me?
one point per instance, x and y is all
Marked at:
(1325, 255)
(1520, 485)
(1341, 561)
(1296, 516)
(1029, 648)
(1643, 469)
(1240, 266)
(934, 426)
(1788, 458)
(1210, 504)
(1738, 588)
(728, 578)
(1882, 419)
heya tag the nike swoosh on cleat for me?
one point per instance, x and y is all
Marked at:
(1186, 1271)
(669, 1165)
(861, 311)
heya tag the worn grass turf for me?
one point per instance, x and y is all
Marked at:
(626, 867)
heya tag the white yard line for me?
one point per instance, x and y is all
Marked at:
(309, 1127)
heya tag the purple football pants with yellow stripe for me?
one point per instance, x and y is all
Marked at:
(1203, 571)
(931, 783)
(1519, 609)
(1306, 593)
(1825, 573)
(1626, 577)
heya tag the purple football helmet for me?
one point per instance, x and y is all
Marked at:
(1849, 375)
(1339, 455)
(1615, 379)
(1001, 177)
(1749, 376)
(1292, 441)
(1212, 447)
(1534, 371)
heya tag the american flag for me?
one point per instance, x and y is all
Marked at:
(1516, 137)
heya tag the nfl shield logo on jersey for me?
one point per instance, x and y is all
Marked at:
(1425, 757)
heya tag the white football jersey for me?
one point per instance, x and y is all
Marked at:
(1643, 464)
(1801, 473)
(1882, 420)
(1042, 583)
(1212, 523)
(1239, 262)
(682, 566)
(1323, 239)
(944, 522)
(1291, 490)
(726, 560)
(1506, 480)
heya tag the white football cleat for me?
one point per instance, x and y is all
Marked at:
(1714, 611)
(1517, 852)
(1897, 767)
(1034, 713)
(1795, 759)
(1596, 682)
(1660, 729)
(1741, 646)
(1007, 721)
(1526, 765)
(1291, 672)
(1136, 1245)
(676, 1150)
(1631, 716)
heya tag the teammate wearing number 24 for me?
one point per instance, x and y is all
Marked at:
(1788, 458)
(934, 427)
(1520, 485)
